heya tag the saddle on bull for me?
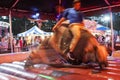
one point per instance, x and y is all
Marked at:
(87, 50)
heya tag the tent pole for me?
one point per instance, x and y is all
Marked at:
(10, 29)
(10, 22)
(111, 24)
(112, 32)
(60, 1)
(101, 8)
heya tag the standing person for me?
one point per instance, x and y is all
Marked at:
(17, 46)
(21, 43)
(59, 9)
(75, 18)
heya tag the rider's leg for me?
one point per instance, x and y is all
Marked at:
(75, 29)
(76, 35)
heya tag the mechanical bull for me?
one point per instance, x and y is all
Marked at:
(88, 50)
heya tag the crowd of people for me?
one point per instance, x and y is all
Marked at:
(19, 43)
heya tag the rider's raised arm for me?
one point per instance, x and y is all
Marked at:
(58, 23)
(63, 18)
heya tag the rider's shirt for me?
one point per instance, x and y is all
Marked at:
(73, 15)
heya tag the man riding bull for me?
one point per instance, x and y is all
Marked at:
(83, 48)
(74, 17)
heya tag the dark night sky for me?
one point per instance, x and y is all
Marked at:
(49, 5)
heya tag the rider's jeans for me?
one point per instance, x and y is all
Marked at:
(75, 29)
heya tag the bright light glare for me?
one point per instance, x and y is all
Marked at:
(37, 14)
(106, 18)
(4, 17)
(33, 16)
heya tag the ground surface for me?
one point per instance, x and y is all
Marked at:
(12, 68)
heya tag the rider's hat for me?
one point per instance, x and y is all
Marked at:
(76, 1)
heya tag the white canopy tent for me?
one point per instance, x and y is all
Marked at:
(33, 31)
